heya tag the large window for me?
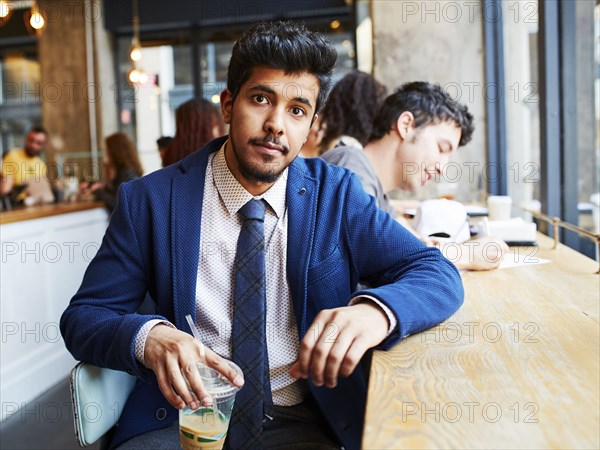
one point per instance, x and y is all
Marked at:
(522, 102)
(20, 107)
(587, 94)
(147, 110)
(545, 136)
(187, 63)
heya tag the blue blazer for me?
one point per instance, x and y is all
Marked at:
(336, 237)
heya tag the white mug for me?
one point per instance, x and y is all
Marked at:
(499, 207)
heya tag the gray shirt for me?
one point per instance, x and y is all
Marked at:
(356, 160)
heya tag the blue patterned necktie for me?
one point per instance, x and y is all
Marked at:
(249, 345)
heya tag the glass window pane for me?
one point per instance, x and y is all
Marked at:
(20, 107)
(588, 117)
(521, 97)
(214, 60)
(148, 108)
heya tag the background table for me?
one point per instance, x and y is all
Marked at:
(516, 367)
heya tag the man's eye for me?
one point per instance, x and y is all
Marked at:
(297, 111)
(260, 98)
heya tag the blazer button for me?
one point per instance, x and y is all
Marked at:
(161, 414)
(302, 191)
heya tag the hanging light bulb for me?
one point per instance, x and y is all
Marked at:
(134, 76)
(135, 53)
(143, 77)
(4, 10)
(36, 20)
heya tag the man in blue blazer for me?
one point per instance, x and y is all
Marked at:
(172, 235)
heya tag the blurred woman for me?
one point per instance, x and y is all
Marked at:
(121, 164)
(197, 122)
(350, 110)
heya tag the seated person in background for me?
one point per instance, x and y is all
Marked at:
(6, 183)
(414, 134)
(348, 115)
(23, 164)
(197, 122)
(121, 164)
(162, 143)
(312, 147)
(184, 234)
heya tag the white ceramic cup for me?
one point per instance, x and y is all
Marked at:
(499, 207)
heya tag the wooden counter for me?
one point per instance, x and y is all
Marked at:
(39, 211)
(516, 367)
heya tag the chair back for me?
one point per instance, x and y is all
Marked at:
(98, 396)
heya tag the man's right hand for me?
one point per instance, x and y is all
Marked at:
(169, 352)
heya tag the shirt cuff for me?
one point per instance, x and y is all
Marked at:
(142, 335)
(388, 312)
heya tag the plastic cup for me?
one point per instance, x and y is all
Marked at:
(499, 207)
(206, 427)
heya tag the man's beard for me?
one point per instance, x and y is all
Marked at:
(30, 153)
(267, 172)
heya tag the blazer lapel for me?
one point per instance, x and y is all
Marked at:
(187, 193)
(301, 200)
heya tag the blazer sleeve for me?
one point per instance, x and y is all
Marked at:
(100, 323)
(419, 285)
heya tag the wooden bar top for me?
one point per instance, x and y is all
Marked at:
(516, 367)
(39, 211)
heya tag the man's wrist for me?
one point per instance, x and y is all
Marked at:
(142, 336)
(392, 322)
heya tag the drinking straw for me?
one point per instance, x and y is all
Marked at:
(196, 334)
(204, 368)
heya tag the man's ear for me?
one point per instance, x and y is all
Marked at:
(405, 122)
(226, 105)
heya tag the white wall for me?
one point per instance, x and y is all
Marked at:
(43, 262)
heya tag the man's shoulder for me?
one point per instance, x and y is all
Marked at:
(15, 154)
(343, 154)
(351, 158)
(319, 168)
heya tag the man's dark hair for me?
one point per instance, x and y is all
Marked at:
(429, 104)
(287, 46)
(163, 141)
(38, 129)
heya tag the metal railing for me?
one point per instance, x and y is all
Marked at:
(558, 222)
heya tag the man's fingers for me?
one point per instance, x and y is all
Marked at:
(178, 383)
(336, 358)
(197, 386)
(306, 348)
(164, 384)
(224, 368)
(353, 356)
(327, 342)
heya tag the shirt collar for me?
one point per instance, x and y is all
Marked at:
(234, 195)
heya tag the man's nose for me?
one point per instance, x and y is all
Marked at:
(275, 124)
(444, 160)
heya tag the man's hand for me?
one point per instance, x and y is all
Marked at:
(477, 254)
(337, 340)
(168, 352)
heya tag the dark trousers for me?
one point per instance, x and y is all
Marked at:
(299, 427)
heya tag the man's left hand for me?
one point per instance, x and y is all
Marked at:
(337, 340)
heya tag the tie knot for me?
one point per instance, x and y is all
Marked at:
(253, 210)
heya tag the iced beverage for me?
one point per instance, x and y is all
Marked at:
(206, 427)
(202, 429)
